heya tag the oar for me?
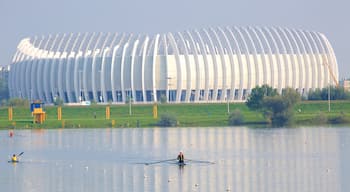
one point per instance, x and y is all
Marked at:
(20, 154)
(159, 161)
(199, 161)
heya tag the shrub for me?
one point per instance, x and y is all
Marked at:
(168, 120)
(17, 102)
(341, 118)
(320, 118)
(58, 101)
(236, 118)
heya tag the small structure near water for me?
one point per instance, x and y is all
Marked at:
(37, 111)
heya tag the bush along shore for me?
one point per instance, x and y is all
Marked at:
(175, 115)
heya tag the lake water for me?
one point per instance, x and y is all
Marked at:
(244, 159)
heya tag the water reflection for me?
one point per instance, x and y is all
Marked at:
(303, 159)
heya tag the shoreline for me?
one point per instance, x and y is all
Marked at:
(187, 115)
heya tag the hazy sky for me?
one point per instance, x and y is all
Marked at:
(28, 18)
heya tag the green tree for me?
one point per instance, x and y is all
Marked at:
(4, 91)
(279, 109)
(255, 99)
(163, 98)
(335, 93)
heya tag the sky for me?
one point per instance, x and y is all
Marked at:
(28, 18)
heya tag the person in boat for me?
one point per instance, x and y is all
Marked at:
(14, 158)
(180, 157)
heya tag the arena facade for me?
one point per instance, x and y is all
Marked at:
(208, 65)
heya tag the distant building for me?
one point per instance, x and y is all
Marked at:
(345, 83)
(4, 73)
(207, 65)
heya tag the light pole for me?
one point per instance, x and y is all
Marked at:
(130, 100)
(168, 86)
(80, 87)
(228, 104)
(31, 91)
(329, 96)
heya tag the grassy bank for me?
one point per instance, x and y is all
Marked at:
(188, 115)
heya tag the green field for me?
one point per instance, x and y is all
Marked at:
(188, 115)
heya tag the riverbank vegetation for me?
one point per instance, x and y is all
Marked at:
(185, 115)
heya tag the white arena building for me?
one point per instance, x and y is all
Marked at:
(207, 65)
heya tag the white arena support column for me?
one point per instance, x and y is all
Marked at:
(315, 58)
(102, 71)
(262, 55)
(298, 64)
(155, 53)
(55, 72)
(270, 62)
(69, 78)
(77, 74)
(143, 63)
(69, 75)
(47, 71)
(238, 54)
(188, 68)
(53, 75)
(34, 68)
(230, 80)
(88, 53)
(317, 54)
(15, 69)
(323, 68)
(46, 75)
(29, 51)
(94, 73)
(284, 62)
(105, 54)
(122, 71)
(62, 64)
(179, 70)
(255, 67)
(115, 49)
(78, 78)
(12, 76)
(20, 68)
(132, 68)
(248, 66)
(26, 69)
(95, 53)
(312, 60)
(62, 73)
(166, 77)
(306, 62)
(206, 68)
(333, 61)
(214, 63)
(280, 69)
(40, 73)
(292, 72)
(197, 68)
(223, 67)
(285, 65)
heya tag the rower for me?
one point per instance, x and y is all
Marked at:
(181, 157)
(14, 158)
